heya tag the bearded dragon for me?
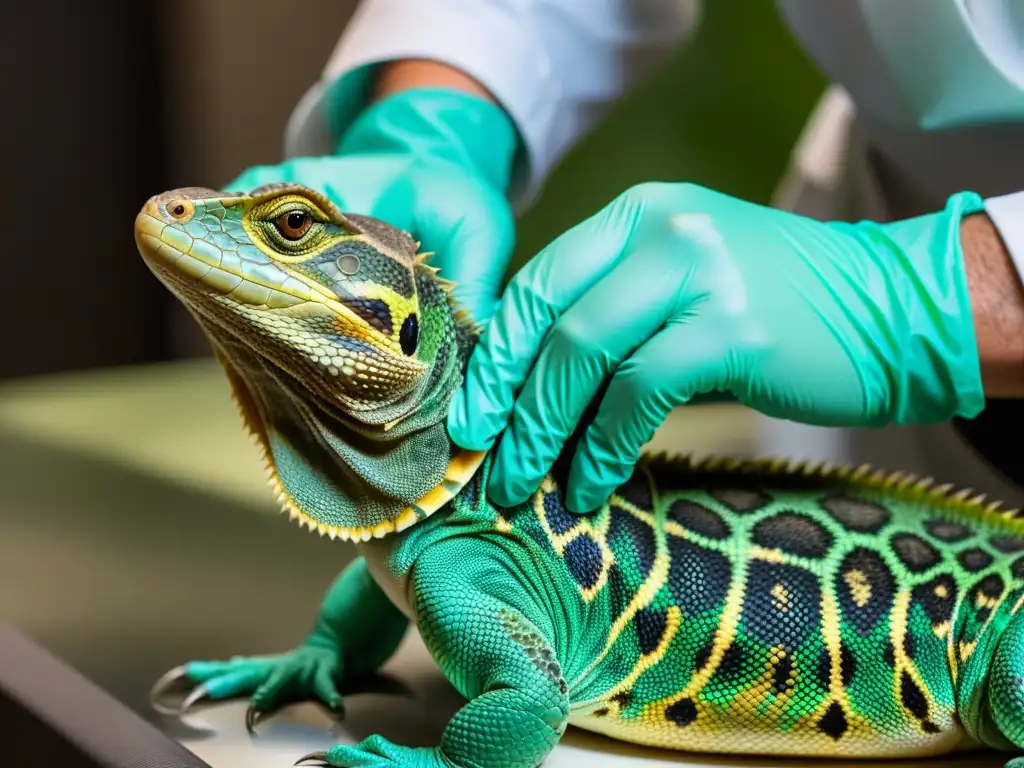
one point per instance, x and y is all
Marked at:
(723, 606)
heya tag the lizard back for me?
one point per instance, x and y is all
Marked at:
(762, 608)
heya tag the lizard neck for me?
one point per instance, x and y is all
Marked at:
(357, 478)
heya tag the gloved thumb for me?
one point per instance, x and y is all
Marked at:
(471, 236)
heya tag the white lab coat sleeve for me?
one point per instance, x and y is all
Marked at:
(997, 27)
(554, 65)
(1007, 213)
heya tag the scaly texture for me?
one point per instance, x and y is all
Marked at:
(717, 606)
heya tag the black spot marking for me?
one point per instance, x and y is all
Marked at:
(782, 679)
(650, 628)
(974, 559)
(560, 520)
(682, 713)
(698, 519)
(619, 594)
(914, 552)
(761, 616)
(1008, 545)
(909, 645)
(793, 533)
(733, 663)
(627, 532)
(740, 499)
(929, 727)
(636, 490)
(865, 589)
(1017, 569)
(583, 556)
(703, 654)
(847, 665)
(983, 595)
(991, 586)
(856, 515)
(409, 334)
(936, 598)
(833, 722)
(602, 712)
(623, 700)
(374, 311)
(698, 578)
(947, 531)
(912, 697)
(823, 671)
(889, 655)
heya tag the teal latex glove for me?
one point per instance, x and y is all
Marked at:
(674, 290)
(434, 163)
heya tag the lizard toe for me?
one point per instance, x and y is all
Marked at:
(169, 681)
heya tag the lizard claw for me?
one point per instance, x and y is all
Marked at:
(320, 756)
(168, 681)
(252, 718)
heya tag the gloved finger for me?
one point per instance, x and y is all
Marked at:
(686, 358)
(472, 235)
(369, 185)
(293, 171)
(535, 298)
(624, 309)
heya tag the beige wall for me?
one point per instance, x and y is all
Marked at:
(238, 67)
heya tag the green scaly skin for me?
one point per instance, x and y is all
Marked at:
(729, 607)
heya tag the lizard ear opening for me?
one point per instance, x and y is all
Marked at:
(408, 336)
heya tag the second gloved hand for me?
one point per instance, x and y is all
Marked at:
(433, 162)
(673, 290)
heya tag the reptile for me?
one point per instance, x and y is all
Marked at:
(716, 605)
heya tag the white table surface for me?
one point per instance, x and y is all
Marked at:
(139, 597)
(216, 732)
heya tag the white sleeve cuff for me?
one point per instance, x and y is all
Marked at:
(489, 41)
(1007, 213)
(552, 65)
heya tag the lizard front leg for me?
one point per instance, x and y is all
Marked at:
(472, 620)
(356, 631)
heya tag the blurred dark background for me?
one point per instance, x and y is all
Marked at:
(106, 103)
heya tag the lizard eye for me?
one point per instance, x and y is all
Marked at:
(293, 224)
(181, 209)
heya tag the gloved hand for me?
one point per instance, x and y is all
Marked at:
(435, 163)
(674, 290)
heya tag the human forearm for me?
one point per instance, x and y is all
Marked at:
(405, 74)
(997, 304)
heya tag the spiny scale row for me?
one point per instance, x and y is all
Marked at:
(864, 474)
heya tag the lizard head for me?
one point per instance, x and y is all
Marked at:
(341, 344)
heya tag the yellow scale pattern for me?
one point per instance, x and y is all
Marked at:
(753, 723)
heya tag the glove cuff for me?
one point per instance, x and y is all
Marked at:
(439, 124)
(942, 371)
